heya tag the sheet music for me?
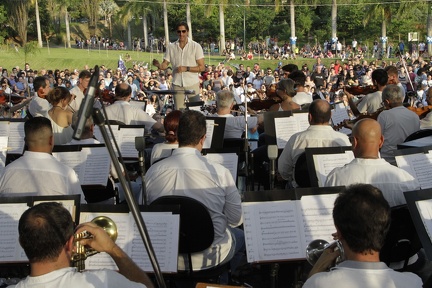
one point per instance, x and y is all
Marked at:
(16, 137)
(4, 128)
(68, 204)
(325, 163)
(302, 120)
(163, 231)
(126, 141)
(271, 231)
(10, 249)
(339, 116)
(3, 152)
(285, 127)
(209, 134)
(74, 160)
(419, 165)
(139, 104)
(228, 160)
(317, 214)
(425, 210)
(96, 166)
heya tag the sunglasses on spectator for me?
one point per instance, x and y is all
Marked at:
(181, 31)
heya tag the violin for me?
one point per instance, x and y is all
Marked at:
(106, 95)
(421, 111)
(349, 123)
(361, 90)
(258, 104)
(14, 98)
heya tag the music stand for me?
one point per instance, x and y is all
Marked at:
(218, 132)
(310, 152)
(411, 198)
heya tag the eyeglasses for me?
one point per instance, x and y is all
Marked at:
(181, 31)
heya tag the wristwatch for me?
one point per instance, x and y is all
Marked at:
(187, 68)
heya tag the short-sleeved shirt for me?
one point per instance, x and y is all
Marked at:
(187, 56)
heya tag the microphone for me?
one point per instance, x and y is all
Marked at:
(272, 152)
(140, 147)
(86, 107)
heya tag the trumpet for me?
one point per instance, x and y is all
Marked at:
(317, 247)
(81, 252)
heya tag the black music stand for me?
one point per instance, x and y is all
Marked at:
(412, 197)
(310, 152)
(218, 132)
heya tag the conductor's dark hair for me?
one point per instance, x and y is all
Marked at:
(299, 77)
(380, 76)
(183, 23)
(39, 82)
(192, 127)
(44, 230)
(362, 215)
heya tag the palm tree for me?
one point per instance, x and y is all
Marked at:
(108, 8)
(18, 18)
(38, 26)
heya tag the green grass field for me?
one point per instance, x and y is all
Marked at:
(61, 58)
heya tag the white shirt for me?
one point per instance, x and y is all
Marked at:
(187, 173)
(70, 278)
(302, 98)
(370, 103)
(314, 136)
(354, 274)
(396, 124)
(235, 125)
(187, 56)
(38, 173)
(162, 150)
(391, 180)
(39, 106)
(130, 115)
(426, 122)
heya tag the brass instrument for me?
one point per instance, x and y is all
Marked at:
(82, 252)
(317, 247)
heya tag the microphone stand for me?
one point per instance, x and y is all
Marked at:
(246, 151)
(99, 120)
(140, 146)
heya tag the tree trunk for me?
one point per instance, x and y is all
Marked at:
(38, 28)
(68, 42)
(129, 35)
(292, 21)
(222, 28)
(188, 19)
(145, 28)
(165, 16)
(334, 19)
(429, 31)
(383, 36)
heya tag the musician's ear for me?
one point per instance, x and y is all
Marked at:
(381, 141)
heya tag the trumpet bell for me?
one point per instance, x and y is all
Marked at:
(314, 250)
(108, 225)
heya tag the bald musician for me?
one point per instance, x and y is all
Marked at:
(318, 134)
(37, 172)
(369, 168)
(122, 111)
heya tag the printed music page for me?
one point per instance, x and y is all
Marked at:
(16, 137)
(96, 166)
(317, 214)
(272, 231)
(3, 152)
(302, 120)
(419, 165)
(122, 221)
(228, 160)
(10, 249)
(68, 204)
(74, 160)
(209, 134)
(127, 142)
(325, 163)
(425, 210)
(163, 230)
(285, 127)
(116, 134)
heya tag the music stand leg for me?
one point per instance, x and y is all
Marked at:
(99, 120)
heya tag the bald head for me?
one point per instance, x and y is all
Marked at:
(368, 138)
(319, 112)
(38, 134)
(123, 90)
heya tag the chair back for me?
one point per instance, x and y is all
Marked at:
(419, 134)
(402, 240)
(301, 172)
(196, 225)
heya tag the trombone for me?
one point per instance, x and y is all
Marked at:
(81, 252)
